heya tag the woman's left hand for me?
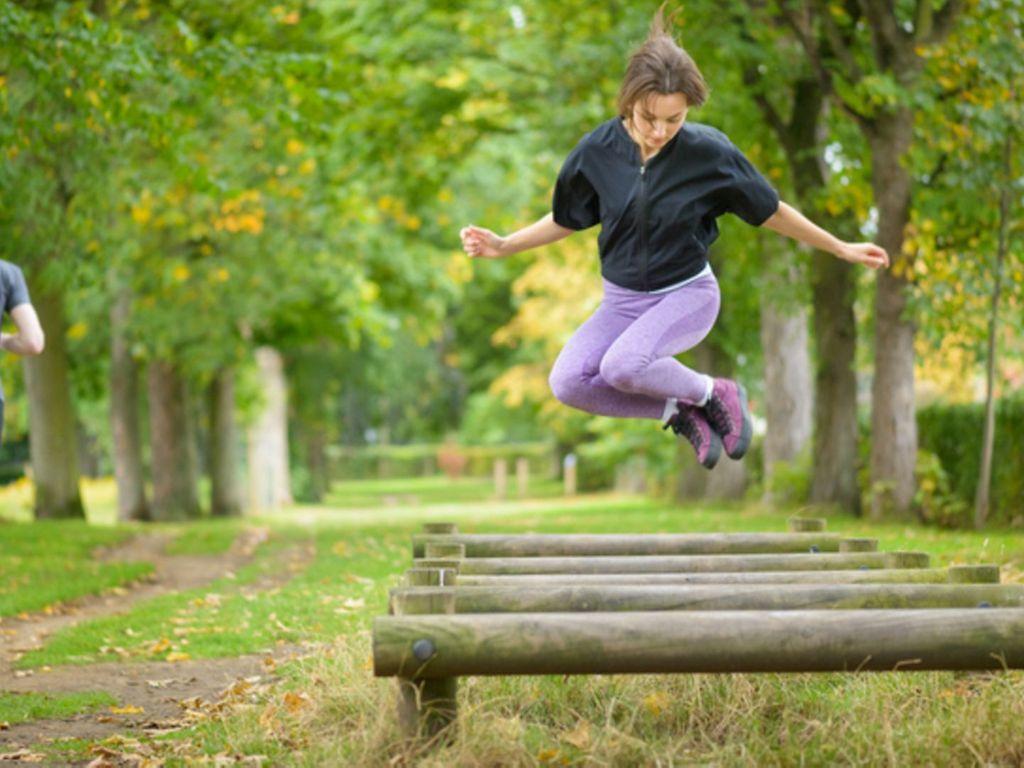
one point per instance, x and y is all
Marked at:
(868, 254)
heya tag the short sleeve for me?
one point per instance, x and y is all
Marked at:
(575, 204)
(16, 291)
(748, 195)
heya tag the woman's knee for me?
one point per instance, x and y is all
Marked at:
(565, 387)
(623, 370)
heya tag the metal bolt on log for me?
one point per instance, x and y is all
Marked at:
(430, 577)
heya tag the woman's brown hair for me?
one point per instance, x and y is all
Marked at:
(661, 66)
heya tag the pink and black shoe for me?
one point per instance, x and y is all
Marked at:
(729, 416)
(692, 424)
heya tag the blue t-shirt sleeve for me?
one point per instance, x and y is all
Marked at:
(575, 204)
(748, 194)
(15, 289)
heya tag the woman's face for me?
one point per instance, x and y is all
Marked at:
(658, 117)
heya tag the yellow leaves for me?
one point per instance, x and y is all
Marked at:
(395, 208)
(3, 82)
(243, 213)
(181, 273)
(658, 702)
(369, 291)
(142, 211)
(78, 331)
(453, 79)
(175, 656)
(161, 645)
(340, 548)
(459, 268)
(128, 709)
(294, 147)
(307, 166)
(93, 98)
(221, 275)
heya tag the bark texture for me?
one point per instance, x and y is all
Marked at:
(124, 417)
(52, 430)
(225, 485)
(175, 495)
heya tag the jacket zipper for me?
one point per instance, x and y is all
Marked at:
(642, 214)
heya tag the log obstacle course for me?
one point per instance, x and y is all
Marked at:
(803, 601)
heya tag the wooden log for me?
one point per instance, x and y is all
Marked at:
(445, 550)
(440, 528)
(858, 545)
(699, 641)
(591, 545)
(966, 574)
(807, 524)
(748, 597)
(686, 563)
(426, 707)
(430, 577)
(980, 574)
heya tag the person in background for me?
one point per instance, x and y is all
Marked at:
(29, 339)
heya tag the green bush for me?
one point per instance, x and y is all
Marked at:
(954, 434)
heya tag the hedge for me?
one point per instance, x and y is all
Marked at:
(954, 433)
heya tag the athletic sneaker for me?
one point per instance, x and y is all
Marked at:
(729, 416)
(691, 423)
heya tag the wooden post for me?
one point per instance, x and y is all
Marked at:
(426, 707)
(500, 478)
(807, 524)
(445, 550)
(431, 577)
(700, 641)
(569, 474)
(522, 476)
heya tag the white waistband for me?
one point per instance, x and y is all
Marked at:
(703, 273)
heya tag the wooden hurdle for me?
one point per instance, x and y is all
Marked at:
(803, 601)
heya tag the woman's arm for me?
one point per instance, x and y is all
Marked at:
(790, 222)
(483, 243)
(29, 338)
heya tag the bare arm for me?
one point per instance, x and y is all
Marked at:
(790, 222)
(29, 339)
(483, 243)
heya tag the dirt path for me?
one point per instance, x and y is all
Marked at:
(157, 695)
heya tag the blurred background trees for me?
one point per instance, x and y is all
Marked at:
(240, 228)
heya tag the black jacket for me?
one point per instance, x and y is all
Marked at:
(657, 220)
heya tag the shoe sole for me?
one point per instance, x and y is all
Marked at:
(714, 451)
(746, 432)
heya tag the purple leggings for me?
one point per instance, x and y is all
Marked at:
(619, 362)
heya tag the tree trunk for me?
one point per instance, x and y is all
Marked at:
(225, 488)
(834, 475)
(893, 423)
(175, 496)
(52, 430)
(269, 478)
(124, 416)
(787, 387)
(316, 462)
(981, 501)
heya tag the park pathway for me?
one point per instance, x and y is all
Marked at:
(152, 697)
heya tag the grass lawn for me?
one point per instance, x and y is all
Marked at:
(340, 562)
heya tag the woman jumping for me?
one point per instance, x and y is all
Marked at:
(656, 184)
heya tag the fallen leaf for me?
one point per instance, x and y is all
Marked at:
(160, 645)
(24, 756)
(177, 656)
(127, 709)
(657, 702)
(579, 736)
(160, 683)
(294, 702)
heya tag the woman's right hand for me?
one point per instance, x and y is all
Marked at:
(482, 243)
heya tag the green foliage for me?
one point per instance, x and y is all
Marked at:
(953, 433)
(419, 459)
